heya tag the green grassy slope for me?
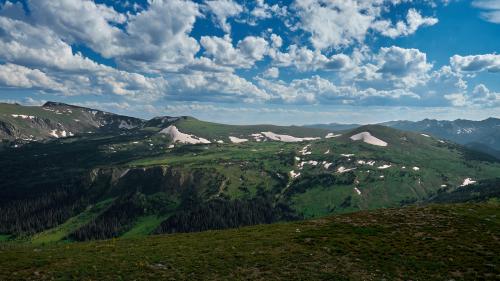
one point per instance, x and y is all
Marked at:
(437, 242)
(221, 131)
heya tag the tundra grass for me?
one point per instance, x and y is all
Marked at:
(437, 242)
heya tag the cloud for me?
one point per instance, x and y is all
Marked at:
(413, 22)
(342, 23)
(336, 23)
(220, 87)
(12, 75)
(304, 59)
(222, 10)
(276, 41)
(247, 52)
(491, 10)
(38, 47)
(319, 90)
(457, 99)
(395, 67)
(80, 21)
(260, 10)
(476, 63)
(150, 40)
(272, 72)
(483, 96)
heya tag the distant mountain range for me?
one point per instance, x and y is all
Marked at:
(479, 135)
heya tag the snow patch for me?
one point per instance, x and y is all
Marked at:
(342, 170)
(286, 138)
(305, 150)
(468, 181)
(294, 175)
(416, 169)
(237, 140)
(327, 164)
(180, 137)
(347, 155)
(23, 116)
(311, 162)
(384, 167)
(327, 152)
(369, 163)
(425, 135)
(357, 191)
(368, 138)
(60, 134)
(257, 137)
(332, 135)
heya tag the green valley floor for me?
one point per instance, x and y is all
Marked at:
(435, 242)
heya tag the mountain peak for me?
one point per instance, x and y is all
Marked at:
(55, 103)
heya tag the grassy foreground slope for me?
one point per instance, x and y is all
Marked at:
(436, 242)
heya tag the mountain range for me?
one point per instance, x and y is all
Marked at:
(479, 135)
(73, 173)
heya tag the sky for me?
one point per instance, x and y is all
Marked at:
(264, 61)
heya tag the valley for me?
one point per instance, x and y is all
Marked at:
(180, 174)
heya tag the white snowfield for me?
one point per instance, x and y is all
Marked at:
(384, 167)
(305, 150)
(180, 137)
(357, 190)
(237, 140)
(60, 134)
(327, 152)
(368, 138)
(347, 155)
(416, 169)
(257, 137)
(23, 116)
(286, 138)
(332, 135)
(294, 175)
(425, 135)
(343, 169)
(310, 162)
(369, 162)
(468, 181)
(327, 164)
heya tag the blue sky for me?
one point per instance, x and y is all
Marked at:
(282, 62)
